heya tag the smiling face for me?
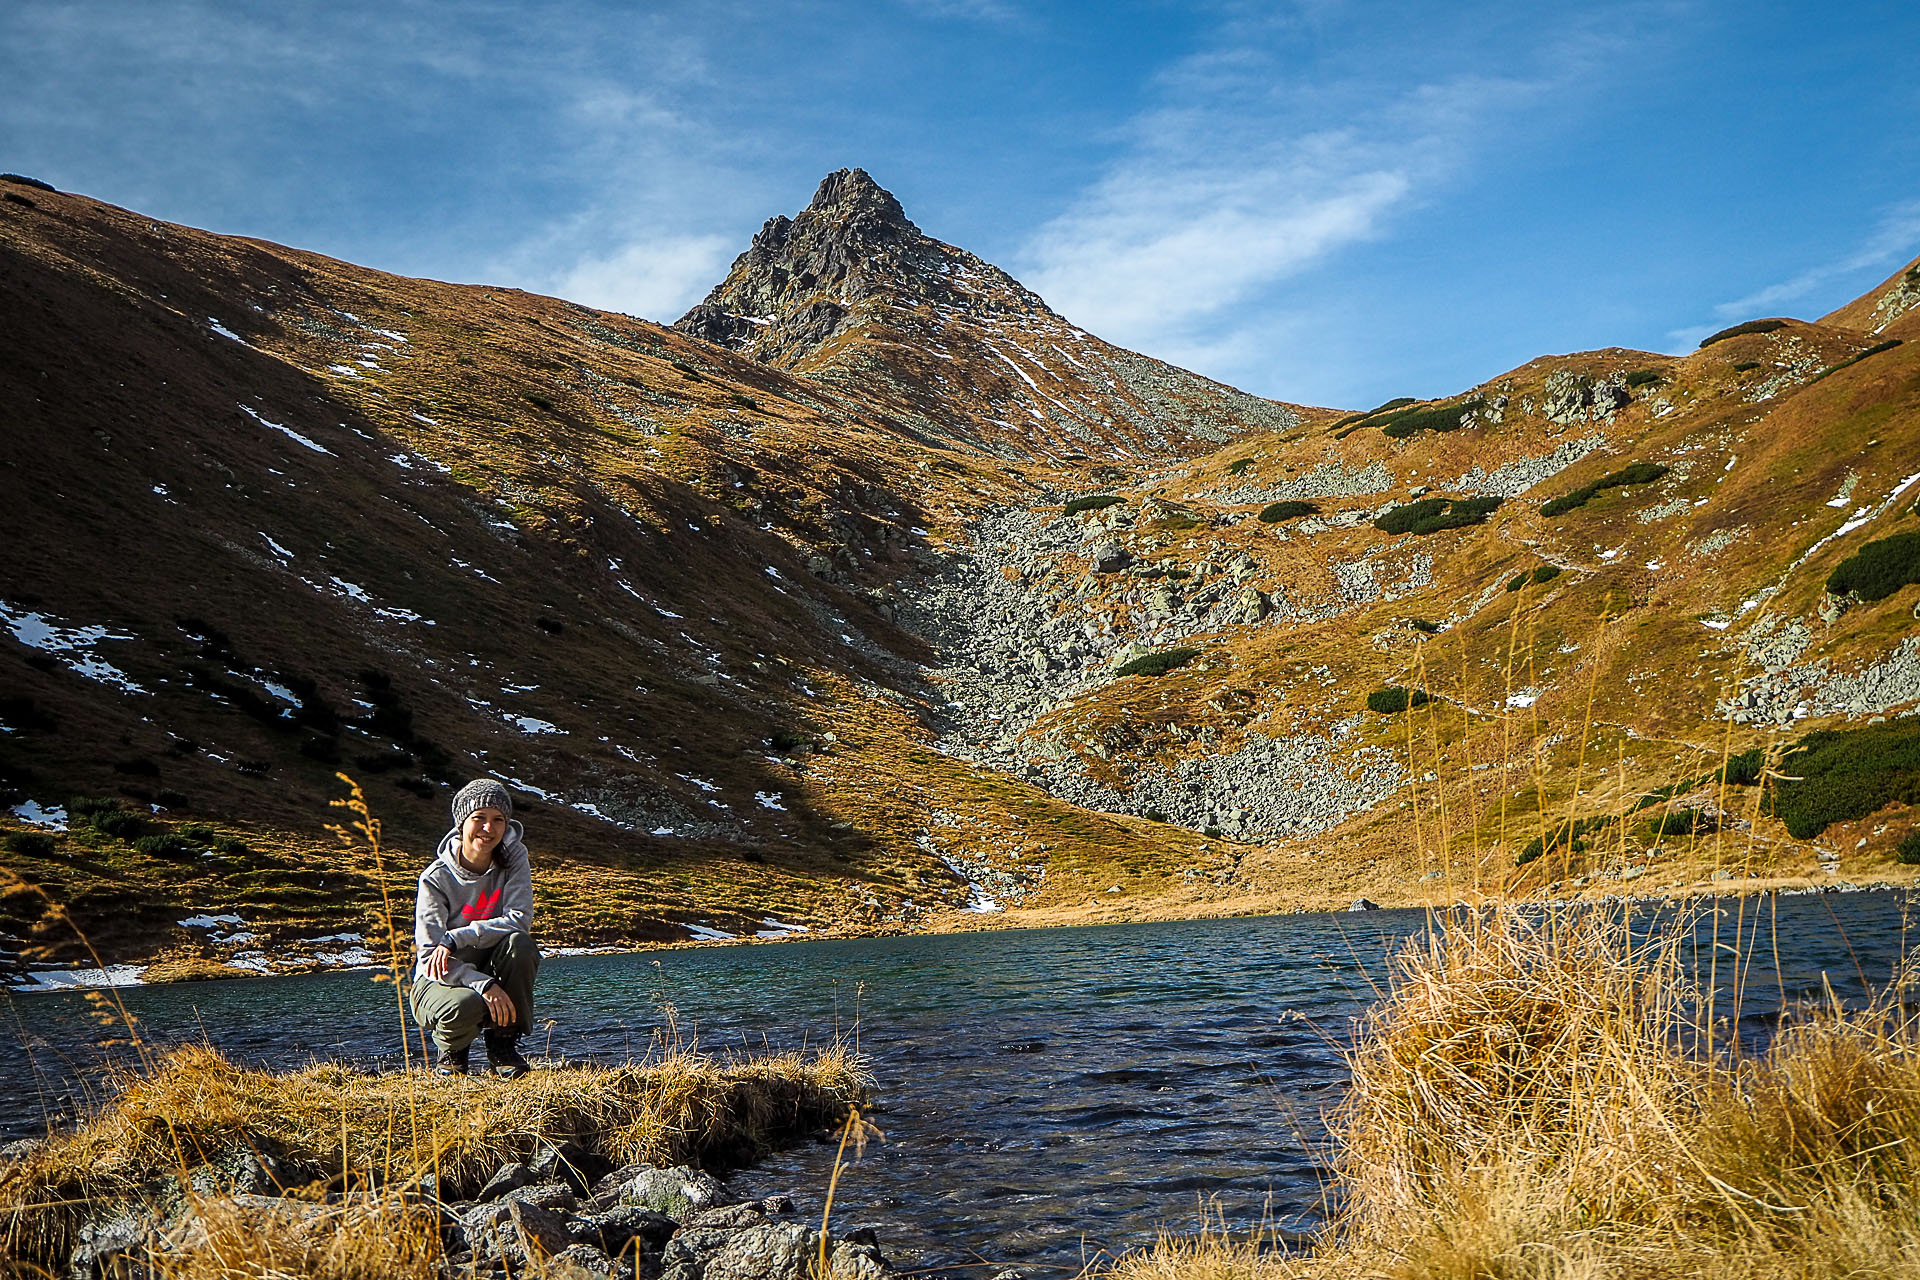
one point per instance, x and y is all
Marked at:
(481, 833)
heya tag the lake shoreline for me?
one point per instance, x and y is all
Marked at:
(164, 970)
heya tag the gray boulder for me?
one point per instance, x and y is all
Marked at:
(106, 1244)
(508, 1177)
(571, 1163)
(1110, 557)
(615, 1229)
(519, 1234)
(769, 1251)
(677, 1192)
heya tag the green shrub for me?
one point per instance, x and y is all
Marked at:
(1633, 473)
(1275, 512)
(1155, 815)
(1841, 774)
(1743, 768)
(1157, 664)
(198, 832)
(1734, 331)
(88, 807)
(1572, 835)
(315, 747)
(233, 846)
(744, 401)
(1908, 850)
(1401, 519)
(1746, 366)
(1424, 626)
(1398, 402)
(1873, 350)
(1212, 833)
(1878, 569)
(1411, 422)
(1238, 467)
(164, 846)
(1645, 378)
(119, 824)
(1546, 573)
(383, 761)
(31, 844)
(537, 400)
(1431, 515)
(1092, 502)
(1393, 699)
(785, 740)
(1676, 822)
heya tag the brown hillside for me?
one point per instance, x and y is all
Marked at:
(776, 619)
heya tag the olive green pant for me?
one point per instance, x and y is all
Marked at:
(454, 1015)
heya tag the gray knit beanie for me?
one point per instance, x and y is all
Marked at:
(481, 793)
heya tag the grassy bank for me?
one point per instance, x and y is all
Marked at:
(1536, 1097)
(196, 1117)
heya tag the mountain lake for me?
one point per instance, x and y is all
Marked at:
(1045, 1095)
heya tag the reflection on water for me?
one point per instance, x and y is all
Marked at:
(1045, 1094)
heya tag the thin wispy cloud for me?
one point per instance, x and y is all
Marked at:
(1893, 240)
(1236, 186)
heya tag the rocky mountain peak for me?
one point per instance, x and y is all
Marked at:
(848, 194)
(803, 277)
(849, 290)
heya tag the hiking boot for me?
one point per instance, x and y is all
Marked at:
(503, 1058)
(451, 1062)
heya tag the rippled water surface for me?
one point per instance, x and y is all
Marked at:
(1044, 1094)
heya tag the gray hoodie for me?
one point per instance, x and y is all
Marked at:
(471, 912)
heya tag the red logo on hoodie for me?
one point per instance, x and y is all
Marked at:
(484, 908)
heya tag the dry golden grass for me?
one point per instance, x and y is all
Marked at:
(1534, 1098)
(371, 1238)
(336, 1126)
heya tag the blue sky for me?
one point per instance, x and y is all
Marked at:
(1326, 202)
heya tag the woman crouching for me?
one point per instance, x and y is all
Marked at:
(472, 926)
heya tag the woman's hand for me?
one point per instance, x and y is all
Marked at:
(438, 961)
(499, 1005)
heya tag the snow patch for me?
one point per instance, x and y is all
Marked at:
(53, 817)
(288, 432)
(209, 922)
(72, 645)
(115, 975)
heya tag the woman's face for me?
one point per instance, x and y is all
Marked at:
(483, 829)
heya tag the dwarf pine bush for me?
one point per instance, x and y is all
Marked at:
(1092, 502)
(1878, 569)
(1633, 473)
(1392, 699)
(1431, 515)
(1275, 512)
(1735, 331)
(1157, 664)
(1835, 775)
